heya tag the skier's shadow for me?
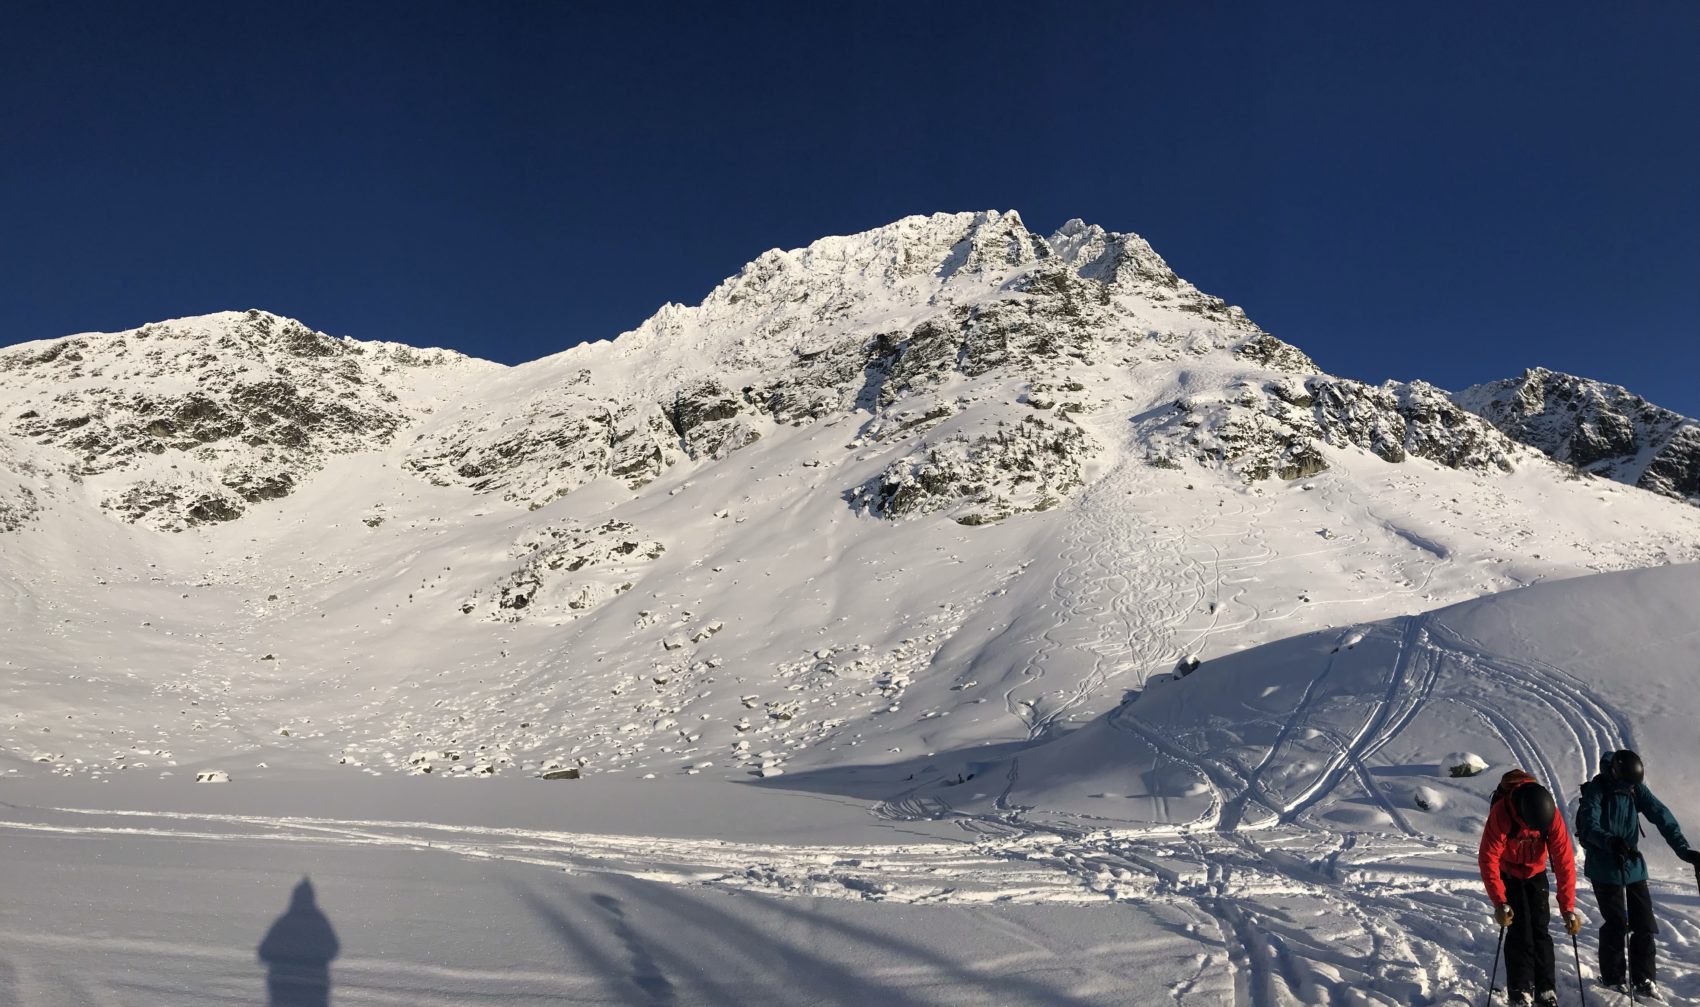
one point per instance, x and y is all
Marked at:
(297, 951)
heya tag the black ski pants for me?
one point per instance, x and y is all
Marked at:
(1625, 909)
(1528, 942)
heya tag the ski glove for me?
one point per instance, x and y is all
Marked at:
(1502, 915)
(1573, 923)
(1621, 849)
(1692, 856)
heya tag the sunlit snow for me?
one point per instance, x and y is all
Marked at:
(943, 614)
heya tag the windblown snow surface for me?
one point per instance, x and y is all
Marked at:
(857, 597)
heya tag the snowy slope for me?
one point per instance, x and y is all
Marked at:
(1338, 729)
(1599, 428)
(883, 561)
(943, 484)
(1249, 834)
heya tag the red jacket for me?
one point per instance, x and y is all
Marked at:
(1509, 848)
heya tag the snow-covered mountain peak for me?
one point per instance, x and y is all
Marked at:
(962, 344)
(942, 461)
(789, 300)
(1599, 428)
(1060, 580)
(956, 324)
(220, 338)
(191, 420)
(922, 255)
(928, 250)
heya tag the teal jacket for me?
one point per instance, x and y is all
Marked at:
(1608, 809)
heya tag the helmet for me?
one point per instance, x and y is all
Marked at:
(1534, 806)
(1626, 768)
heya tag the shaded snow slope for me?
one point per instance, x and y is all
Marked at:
(100, 908)
(1310, 778)
(1340, 730)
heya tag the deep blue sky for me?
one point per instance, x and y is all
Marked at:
(1447, 191)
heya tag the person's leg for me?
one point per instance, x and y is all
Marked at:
(1540, 930)
(1642, 927)
(1613, 926)
(1521, 960)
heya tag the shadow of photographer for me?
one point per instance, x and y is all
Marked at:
(297, 951)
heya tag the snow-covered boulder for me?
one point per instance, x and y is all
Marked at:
(1464, 764)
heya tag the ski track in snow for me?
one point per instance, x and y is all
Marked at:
(1283, 904)
(1118, 604)
(1411, 924)
(1406, 917)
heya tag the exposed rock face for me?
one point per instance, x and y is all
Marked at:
(710, 421)
(1599, 428)
(1272, 353)
(16, 508)
(1273, 429)
(1028, 465)
(549, 448)
(191, 421)
(18, 501)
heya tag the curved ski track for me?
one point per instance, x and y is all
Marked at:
(1413, 899)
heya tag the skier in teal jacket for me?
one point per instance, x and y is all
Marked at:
(1608, 824)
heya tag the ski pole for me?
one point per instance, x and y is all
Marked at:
(1628, 983)
(1580, 990)
(1493, 976)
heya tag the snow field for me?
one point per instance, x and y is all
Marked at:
(1302, 870)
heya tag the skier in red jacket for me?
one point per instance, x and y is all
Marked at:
(1523, 829)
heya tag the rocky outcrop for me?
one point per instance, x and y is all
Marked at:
(1275, 428)
(710, 421)
(1599, 428)
(1267, 351)
(173, 505)
(550, 443)
(194, 420)
(19, 503)
(976, 478)
(567, 570)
